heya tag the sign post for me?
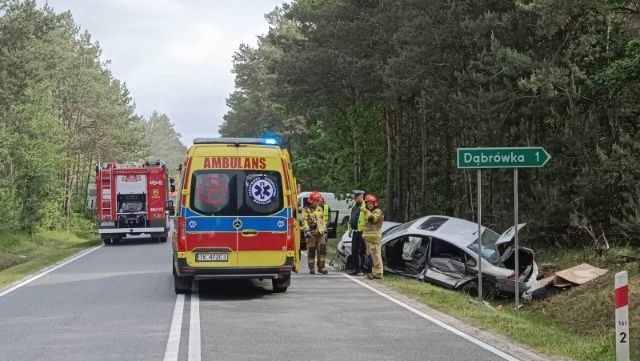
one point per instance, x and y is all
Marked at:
(622, 316)
(479, 235)
(501, 157)
(515, 237)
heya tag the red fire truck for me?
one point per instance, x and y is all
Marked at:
(133, 199)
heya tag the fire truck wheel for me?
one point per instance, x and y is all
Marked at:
(182, 284)
(281, 284)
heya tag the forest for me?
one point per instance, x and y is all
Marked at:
(379, 94)
(62, 112)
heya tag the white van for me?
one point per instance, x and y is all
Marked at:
(341, 206)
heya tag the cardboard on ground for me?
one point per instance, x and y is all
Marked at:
(573, 276)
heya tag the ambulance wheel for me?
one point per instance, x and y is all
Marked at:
(182, 284)
(281, 284)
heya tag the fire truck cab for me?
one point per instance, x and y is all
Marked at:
(132, 199)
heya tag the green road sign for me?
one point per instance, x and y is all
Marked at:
(516, 157)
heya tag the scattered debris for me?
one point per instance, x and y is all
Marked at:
(565, 279)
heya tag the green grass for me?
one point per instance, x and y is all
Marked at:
(576, 324)
(22, 255)
(530, 327)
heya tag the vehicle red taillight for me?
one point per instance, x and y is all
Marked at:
(290, 239)
(182, 235)
(512, 277)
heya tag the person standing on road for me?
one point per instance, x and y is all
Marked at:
(326, 211)
(315, 233)
(356, 226)
(372, 234)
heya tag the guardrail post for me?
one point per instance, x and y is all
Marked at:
(622, 316)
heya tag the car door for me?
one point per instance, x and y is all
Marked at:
(262, 219)
(212, 218)
(392, 255)
(447, 264)
(332, 227)
(414, 254)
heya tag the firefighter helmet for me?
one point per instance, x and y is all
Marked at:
(315, 197)
(371, 198)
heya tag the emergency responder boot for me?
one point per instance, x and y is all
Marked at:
(322, 253)
(311, 257)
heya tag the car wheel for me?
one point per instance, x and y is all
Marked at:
(163, 239)
(471, 288)
(107, 241)
(281, 284)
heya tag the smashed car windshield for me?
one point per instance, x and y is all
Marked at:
(489, 249)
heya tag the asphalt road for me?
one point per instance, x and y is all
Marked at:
(117, 303)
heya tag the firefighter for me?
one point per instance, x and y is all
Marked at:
(372, 234)
(315, 233)
(356, 226)
(326, 211)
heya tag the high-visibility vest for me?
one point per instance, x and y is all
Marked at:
(326, 211)
(361, 218)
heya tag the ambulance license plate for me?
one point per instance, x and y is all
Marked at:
(212, 257)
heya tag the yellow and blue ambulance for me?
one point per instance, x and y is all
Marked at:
(237, 213)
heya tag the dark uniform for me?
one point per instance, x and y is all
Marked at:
(356, 226)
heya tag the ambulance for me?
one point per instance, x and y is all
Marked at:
(236, 214)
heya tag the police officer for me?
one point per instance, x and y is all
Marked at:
(372, 234)
(356, 226)
(315, 233)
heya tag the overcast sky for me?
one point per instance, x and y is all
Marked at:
(174, 55)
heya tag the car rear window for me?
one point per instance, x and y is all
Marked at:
(236, 192)
(433, 223)
(489, 248)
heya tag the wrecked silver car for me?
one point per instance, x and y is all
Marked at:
(343, 250)
(444, 250)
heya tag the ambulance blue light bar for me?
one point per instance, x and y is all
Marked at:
(236, 141)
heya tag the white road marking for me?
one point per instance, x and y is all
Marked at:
(46, 272)
(173, 343)
(194, 324)
(436, 321)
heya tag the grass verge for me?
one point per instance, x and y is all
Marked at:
(576, 324)
(529, 327)
(22, 255)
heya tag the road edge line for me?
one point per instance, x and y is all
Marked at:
(32, 278)
(434, 320)
(195, 353)
(173, 342)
